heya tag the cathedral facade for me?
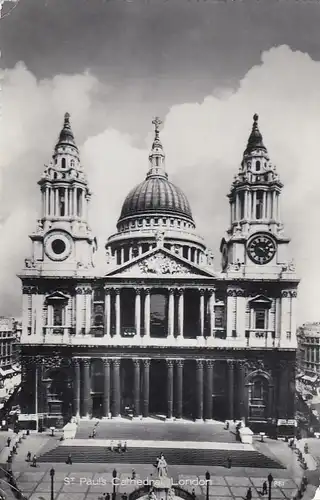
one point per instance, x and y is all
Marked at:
(161, 332)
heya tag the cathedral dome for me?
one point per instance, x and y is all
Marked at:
(156, 194)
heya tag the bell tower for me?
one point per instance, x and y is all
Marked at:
(255, 240)
(63, 243)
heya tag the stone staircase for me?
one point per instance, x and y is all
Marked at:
(100, 454)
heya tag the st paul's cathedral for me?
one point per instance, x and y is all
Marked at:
(162, 332)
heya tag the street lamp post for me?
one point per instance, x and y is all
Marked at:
(207, 484)
(114, 475)
(270, 479)
(52, 473)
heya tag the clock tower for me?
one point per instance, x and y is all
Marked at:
(62, 244)
(255, 243)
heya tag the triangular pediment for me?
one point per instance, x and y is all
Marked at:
(260, 301)
(159, 262)
(57, 296)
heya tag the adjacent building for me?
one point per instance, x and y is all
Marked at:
(162, 331)
(309, 348)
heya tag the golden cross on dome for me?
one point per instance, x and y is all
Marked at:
(156, 122)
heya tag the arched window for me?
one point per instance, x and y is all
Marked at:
(258, 166)
(63, 163)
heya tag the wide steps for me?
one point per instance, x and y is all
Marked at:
(100, 454)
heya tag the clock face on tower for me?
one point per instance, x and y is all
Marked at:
(261, 249)
(58, 245)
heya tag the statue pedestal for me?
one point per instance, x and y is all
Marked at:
(162, 483)
(161, 488)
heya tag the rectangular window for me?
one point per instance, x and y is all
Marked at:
(219, 316)
(259, 204)
(58, 314)
(260, 317)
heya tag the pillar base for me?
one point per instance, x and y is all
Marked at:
(170, 419)
(116, 417)
(106, 418)
(209, 420)
(178, 419)
(140, 417)
(199, 420)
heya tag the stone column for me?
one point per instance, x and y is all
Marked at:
(79, 310)
(181, 312)
(212, 300)
(88, 292)
(170, 388)
(138, 311)
(86, 387)
(116, 388)
(106, 387)
(231, 388)
(270, 401)
(209, 389)
(136, 387)
(231, 294)
(107, 312)
(240, 314)
(76, 387)
(74, 192)
(118, 317)
(285, 315)
(171, 313)
(201, 312)
(179, 388)
(147, 312)
(199, 389)
(254, 205)
(264, 205)
(66, 208)
(146, 382)
(242, 411)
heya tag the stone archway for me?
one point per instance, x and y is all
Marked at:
(259, 395)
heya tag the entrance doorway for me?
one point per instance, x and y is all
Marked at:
(97, 405)
(158, 387)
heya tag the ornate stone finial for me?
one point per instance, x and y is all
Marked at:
(156, 122)
(67, 119)
(66, 135)
(255, 118)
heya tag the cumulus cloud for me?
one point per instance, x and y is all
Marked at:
(206, 137)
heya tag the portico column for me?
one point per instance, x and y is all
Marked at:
(136, 387)
(88, 292)
(86, 387)
(117, 305)
(231, 387)
(170, 388)
(199, 389)
(179, 388)
(76, 386)
(209, 389)
(254, 205)
(171, 313)
(106, 387)
(241, 377)
(201, 312)
(66, 207)
(116, 387)
(146, 388)
(212, 299)
(180, 311)
(107, 312)
(147, 312)
(138, 311)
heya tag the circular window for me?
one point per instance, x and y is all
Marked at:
(58, 246)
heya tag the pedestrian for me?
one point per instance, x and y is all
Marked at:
(111, 446)
(108, 496)
(193, 493)
(29, 456)
(124, 496)
(229, 461)
(69, 459)
(124, 446)
(93, 432)
(264, 488)
(119, 446)
(8, 441)
(34, 461)
(133, 474)
(14, 450)
(249, 494)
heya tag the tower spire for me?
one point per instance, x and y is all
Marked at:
(157, 155)
(66, 137)
(255, 140)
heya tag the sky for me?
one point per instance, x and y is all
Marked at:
(204, 67)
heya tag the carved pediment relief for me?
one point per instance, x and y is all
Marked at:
(260, 301)
(160, 263)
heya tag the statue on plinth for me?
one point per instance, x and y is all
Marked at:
(162, 467)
